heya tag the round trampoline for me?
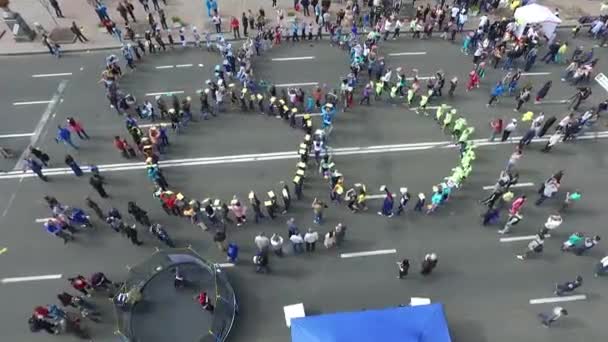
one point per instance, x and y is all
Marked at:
(150, 308)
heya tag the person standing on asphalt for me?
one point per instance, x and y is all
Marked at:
(549, 318)
(403, 267)
(234, 25)
(245, 23)
(69, 161)
(130, 8)
(78, 32)
(140, 215)
(317, 207)
(276, 242)
(95, 207)
(76, 127)
(220, 239)
(63, 135)
(56, 7)
(262, 242)
(43, 157)
(261, 262)
(310, 238)
(238, 211)
(35, 167)
(428, 264)
(162, 17)
(97, 183)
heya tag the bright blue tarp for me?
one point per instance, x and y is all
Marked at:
(425, 323)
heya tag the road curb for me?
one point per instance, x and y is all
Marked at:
(44, 51)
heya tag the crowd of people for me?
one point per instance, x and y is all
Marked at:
(235, 88)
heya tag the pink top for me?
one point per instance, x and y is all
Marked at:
(75, 126)
(238, 210)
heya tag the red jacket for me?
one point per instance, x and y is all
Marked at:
(119, 144)
(234, 23)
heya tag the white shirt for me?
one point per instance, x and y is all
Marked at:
(296, 238)
(455, 11)
(276, 241)
(604, 261)
(261, 241)
(511, 127)
(311, 237)
(482, 21)
(553, 222)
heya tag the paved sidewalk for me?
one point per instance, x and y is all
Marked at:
(190, 12)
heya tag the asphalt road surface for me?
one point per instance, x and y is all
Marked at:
(485, 289)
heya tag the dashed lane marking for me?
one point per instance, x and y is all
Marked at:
(558, 299)
(30, 278)
(367, 253)
(52, 75)
(520, 238)
(24, 103)
(166, 93)
(16, 135)
(418, 53)
(285, 59)
(518, 185)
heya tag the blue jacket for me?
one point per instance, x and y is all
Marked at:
(498, 90)
(63, 134)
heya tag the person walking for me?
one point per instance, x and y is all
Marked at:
(95, 207)
(550, 188)
(64, 135)
(547, 319)
(77, 31)
(510, 128)
(496, 126)
(403, 267)
(497, 92)
(97, 183)
(40, 155)
(76, 127)
(428, 264)
(511, 221)
(220, 239)
(535, 246)
(69, 161)
(297, 242)
(122, 10)
(131, 233)
(35, 167)
(517, 204)
(542, 92)
(55, 5)
(80, 284)
(130, 8)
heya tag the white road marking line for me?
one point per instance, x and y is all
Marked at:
(50, 108)
(535, 73)
(31, 278)
(16, 135)
(311, 114)
(408, 53)
(226, 265)
(292, 58)
(166, 93)
(296, 84)
(163, 124)
(164, 67)
(558, 299)
(368, 253)
(553, 101)
(420, 78)
(42, 220)
(183, 65)
(518, 185)
(52, 75)
(31, 102)
(520, 238)
(341, 151)
(200, 65)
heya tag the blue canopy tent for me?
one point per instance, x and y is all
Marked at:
(425, 323)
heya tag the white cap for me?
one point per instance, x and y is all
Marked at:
(513, 120)
(403, 190)
(383, 188)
